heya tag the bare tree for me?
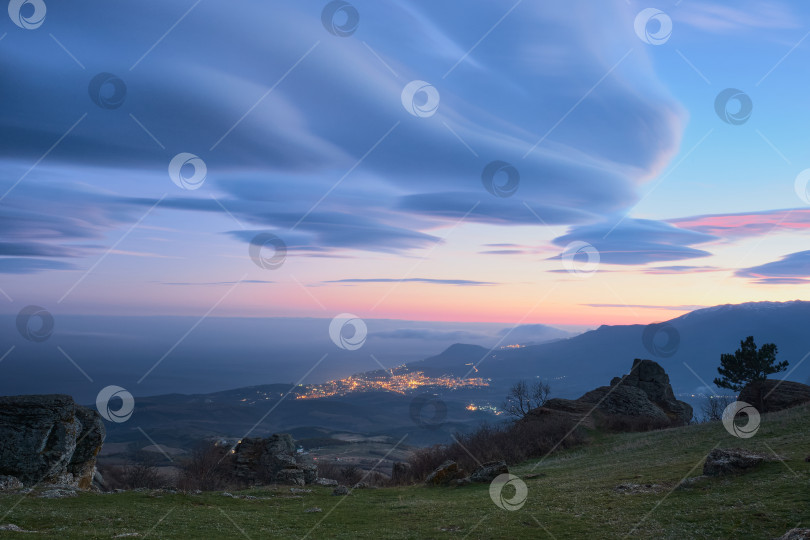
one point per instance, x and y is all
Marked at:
(714, 406)
(207, 469)
(525, 396)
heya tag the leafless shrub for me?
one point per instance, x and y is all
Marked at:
(141, 472)
(512, 443)
(525, 396)
(713, 407)
(208, 469)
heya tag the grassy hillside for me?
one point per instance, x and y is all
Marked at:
(571, 495)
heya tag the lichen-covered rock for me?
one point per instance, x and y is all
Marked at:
(310, 473)
(263, 460)
(489, 471)
(9, 482)
(444, 474)
(49, 438)
(328, 482)
(91, 438)
(722, 461)
(294, 477)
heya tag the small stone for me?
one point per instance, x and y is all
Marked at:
(796, 534)
(58, 494)
(9, 482)
(328, 482)
(313, 510)
(300, 490)
(341, 490)
(489, 471)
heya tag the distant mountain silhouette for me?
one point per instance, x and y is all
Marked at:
(691, 342)
(573, 366)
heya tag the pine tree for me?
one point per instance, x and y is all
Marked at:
(748, 364)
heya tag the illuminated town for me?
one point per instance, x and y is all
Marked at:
(396, 380)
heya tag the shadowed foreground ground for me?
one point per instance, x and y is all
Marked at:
(572, 496)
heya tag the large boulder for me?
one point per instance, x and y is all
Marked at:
(731, 461)
(49, 438)
(271, 460)
(444, 474)
(772, 395)
(489, 471)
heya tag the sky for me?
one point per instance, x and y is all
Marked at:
(518, 162)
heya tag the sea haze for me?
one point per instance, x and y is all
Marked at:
(86, 353)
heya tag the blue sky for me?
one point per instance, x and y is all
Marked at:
(308, 133)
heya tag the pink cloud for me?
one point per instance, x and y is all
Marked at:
(745, 225)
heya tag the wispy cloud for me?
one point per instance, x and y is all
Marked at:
(789, 270)
(459, 282)
(644, 306)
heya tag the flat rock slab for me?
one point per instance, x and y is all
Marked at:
(733, 461)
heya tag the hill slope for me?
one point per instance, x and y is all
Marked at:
(570, 495)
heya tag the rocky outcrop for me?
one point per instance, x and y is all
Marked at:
(623, 400)
(644, 393)
(650, 377)
(49, 438)
(771, 395)
(271, 460)
(731, 461)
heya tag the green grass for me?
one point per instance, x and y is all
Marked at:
(573, 497)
